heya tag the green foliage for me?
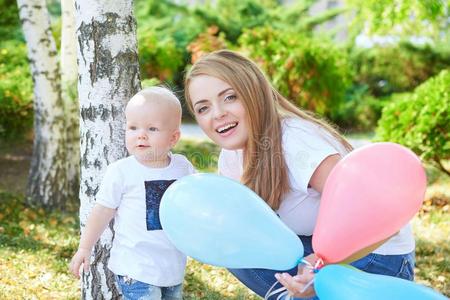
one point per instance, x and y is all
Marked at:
(233, 16)
(397, 68)
(421, 120)
(310, 71)
(16, 90)
(9, 21)
(402, 17)
(158, 56)
(164, 32)
(359, 111)
(203, 155)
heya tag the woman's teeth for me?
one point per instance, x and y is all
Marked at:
(226, 127)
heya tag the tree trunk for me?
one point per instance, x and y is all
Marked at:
(48, 179)
(109, 76)
(69, 76)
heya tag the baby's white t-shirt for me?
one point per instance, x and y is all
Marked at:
(305, 145)
(140, 247)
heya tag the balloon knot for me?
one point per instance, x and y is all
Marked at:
(318, 265)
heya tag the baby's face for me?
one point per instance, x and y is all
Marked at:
(151, 130)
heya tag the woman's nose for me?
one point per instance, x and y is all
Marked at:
(219, 112)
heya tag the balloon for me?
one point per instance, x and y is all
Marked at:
(337, 282)
(369, 196)
(221, 222)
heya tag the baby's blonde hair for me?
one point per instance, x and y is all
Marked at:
(161, 96)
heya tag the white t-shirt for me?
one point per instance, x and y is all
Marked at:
(140, 248)
(305, 146)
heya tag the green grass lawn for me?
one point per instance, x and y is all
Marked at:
(35, 246)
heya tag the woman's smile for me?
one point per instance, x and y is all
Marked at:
(219, 111)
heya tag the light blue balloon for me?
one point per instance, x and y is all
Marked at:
(221, 222)
(335, 282)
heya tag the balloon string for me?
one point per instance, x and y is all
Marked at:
(285, 293)
(270, 293)
(307, 286)
(307, 263)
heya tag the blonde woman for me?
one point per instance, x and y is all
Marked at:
(282, 153)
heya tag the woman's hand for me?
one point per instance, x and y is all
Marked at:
(82, 257)
(295, 284)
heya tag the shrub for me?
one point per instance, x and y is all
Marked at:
(311, 72)
(159, 57)
(16, 90)
(397, 68)
(359, 111)
(206, 42)
(421, 120)
(203, 155)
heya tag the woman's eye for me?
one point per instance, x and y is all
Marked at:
(202, 109)
(230, 97)
(153, 129)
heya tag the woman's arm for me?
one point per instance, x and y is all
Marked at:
(320, 175)
(295, 284)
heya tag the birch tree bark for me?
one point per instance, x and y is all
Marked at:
(109, 76)
(69, 76)
(47, 183)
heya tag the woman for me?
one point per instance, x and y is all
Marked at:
(282, 153)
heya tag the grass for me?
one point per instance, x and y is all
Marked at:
(35, 246)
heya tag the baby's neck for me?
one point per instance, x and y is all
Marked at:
(161, 162)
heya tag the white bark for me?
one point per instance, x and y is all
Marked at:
(47, 180)
(109, 76)
(69, 76)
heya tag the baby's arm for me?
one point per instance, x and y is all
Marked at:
(99, 218)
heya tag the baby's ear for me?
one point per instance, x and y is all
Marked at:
(175, 137)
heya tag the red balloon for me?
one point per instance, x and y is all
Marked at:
(369, 196)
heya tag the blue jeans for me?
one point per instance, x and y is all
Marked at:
(136, 290)
(260, 280)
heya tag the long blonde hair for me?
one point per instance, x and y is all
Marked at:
(268, 107)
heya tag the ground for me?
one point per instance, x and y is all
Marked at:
(35, 247)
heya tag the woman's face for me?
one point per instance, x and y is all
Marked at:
(219, 111)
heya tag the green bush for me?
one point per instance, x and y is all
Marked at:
(360, 111)
(310, 71)
(203, 155)
(16, 90)
(397, 68)
(164, 31)
(9, 22)
(421, 120)
(159, 57)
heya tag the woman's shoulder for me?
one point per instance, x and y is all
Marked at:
(309, 138)
(297, 125)
(300, 131)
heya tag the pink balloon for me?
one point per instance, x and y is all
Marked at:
(369, 196)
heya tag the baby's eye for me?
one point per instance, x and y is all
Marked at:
(230, 97)
(153, 129)
(132, 127)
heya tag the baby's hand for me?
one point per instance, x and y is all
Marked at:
(81, 257)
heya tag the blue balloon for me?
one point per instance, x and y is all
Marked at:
(221, 222)
(336, 282)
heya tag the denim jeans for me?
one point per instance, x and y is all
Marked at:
(260, 280)
(136, 290)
